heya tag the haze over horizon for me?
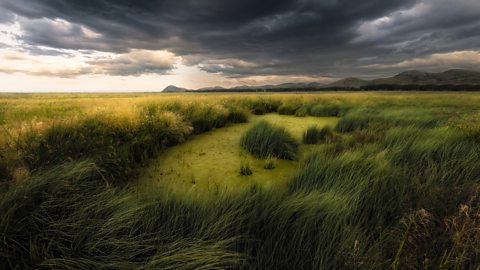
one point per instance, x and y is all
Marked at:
(126, 45)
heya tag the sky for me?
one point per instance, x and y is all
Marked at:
(145, 45)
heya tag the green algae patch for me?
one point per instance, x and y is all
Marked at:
(210, 163)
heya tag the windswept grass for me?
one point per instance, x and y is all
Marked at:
(117, 146)
(260, 106)
(266, 140)
(398, 188)
(327, 109)
(70, 220)
(385, 118)
(315, 134)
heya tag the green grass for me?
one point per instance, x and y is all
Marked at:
(117, 146)
(398, 186)
(328, 110)
(266, 140)
(315, 134)
(270, 163)
(245, 168)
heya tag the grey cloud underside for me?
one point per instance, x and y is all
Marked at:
(301, 37)
(6, 16)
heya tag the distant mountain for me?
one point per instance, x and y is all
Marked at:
(449, 77)
(313, 85)
(407, 80)
(349, 82)
(244, 87)
(415, 77)
(215, 88)
(174, 89)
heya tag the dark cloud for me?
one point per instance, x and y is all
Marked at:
(6, 16)
(251, 37)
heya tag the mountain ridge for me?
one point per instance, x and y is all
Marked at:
(405, 78)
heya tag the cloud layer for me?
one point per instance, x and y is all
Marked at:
(248, 38)
(134, 63)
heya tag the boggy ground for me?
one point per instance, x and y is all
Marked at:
(209, 163)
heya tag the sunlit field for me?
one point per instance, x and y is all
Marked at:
(332, 180)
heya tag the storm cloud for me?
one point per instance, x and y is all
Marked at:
(250, 38)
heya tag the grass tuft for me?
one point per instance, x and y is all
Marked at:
(315, 134)
(266, 140)
(245, 168)
(270, 163)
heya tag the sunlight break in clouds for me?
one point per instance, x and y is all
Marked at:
(439, 61)
(134, 63)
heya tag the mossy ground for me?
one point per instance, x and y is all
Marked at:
(209, 163)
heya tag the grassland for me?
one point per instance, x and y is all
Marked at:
(127, 181)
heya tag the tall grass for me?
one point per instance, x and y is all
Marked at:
(399, 189)
(66, 219)
(290, 107)
(328, 110)
(266, 140)
(386, 118)
(315, 134)
(205, 117)
(262, 105)
(72, 221)
(120, 145)
(117, 146)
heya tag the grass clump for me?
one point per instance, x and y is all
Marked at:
(315, 134)
(270, 163)
(260, 106)
(245, 168)
(302, 111)
(290, 107)
(327, 110)
(266, 140)
(237, 115)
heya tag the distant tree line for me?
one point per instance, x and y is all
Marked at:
(376, 87)
(425, 87)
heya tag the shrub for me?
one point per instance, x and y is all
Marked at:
(264, 140)
(315, 134)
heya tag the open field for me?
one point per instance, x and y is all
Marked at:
(205, 181)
